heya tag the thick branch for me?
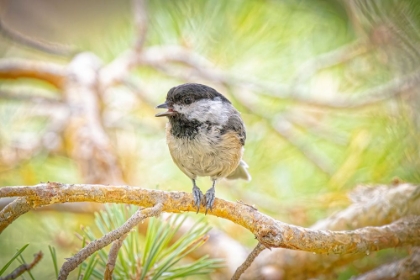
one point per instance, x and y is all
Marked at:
(92, 149)
(105, 240)
(13, 211)
(52, 73)
(372, 206)
(268, 231)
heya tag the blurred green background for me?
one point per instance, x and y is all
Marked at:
(310, 137)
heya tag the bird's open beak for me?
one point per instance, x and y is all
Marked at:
(168, 113)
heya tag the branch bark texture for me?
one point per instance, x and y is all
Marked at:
(107, 239)
(268, 231)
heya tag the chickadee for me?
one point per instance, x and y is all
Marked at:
(205, 135)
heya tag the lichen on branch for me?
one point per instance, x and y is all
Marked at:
(270, 232)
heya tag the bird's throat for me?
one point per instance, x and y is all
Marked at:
(184, 128)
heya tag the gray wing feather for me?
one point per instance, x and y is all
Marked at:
(236, 124)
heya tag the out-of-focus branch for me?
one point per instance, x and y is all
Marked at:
(92, 147)
(282, 127)
(287, 130)
(85, 96)
(375, 206)
(329, 59)
(23, 267)
(269, 232)
(117, 71)
(202, 68)
(141, 23)
(52, 73)
(301, 119)
(46, 47)
(160, 57)
(141, 214)
(257, 250)
(372, 206)
(197, 66)
(407, 269)
(33, 98)
(112, 257)
(20, 150)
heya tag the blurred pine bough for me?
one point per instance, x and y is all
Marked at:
(162, 253)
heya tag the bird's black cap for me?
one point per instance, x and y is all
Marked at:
(189, 93)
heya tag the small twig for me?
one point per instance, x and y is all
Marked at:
(117, 71)
(372, 96)
(314, 126)
(257, 250)
(286, 130)
(23, 267)
(141, 214)
(140, 22)
(32, 98)
(329, 59)
(160, 57)
(46, 47)
(112, 257)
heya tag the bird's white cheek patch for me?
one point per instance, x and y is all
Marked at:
(214, 111)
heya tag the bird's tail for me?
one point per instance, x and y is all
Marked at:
(240, 172)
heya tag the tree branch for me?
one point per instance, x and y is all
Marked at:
(52, 73)
(329, 59)
(257, 250)
(372, 206)
(141, 214)
(24, 267)
(46, 47)
(140, 22)
(93, 148)
(269, 232)
(407, 268)
(112, 257)
(161, 57)
(32, 98)
(14, 210)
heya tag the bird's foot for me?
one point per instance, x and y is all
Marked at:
(198, 197)
(209, 199)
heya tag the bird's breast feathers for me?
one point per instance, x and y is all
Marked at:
(208, 153)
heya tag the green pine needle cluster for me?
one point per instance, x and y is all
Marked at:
(16, 256)
(158, 255)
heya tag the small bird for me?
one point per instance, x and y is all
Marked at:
(205, 135)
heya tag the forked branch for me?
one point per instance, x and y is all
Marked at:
(268, 231)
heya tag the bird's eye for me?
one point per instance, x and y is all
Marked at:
(187, 100)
